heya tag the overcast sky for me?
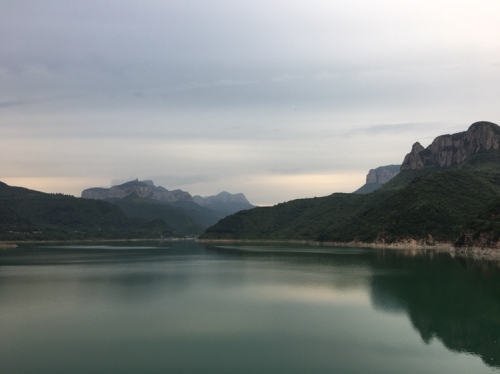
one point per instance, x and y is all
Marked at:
(278, 99)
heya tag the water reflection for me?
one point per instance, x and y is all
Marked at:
(186, 307)
(453, 299)
(456, 301)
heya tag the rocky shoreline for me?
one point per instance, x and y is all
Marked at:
(406, 245)
(477, 252)
(409, 244)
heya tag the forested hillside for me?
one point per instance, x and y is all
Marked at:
(431, 203)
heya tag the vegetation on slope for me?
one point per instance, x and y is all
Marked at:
(428, 204)
(31, 215)
(484, 231)
(180, 218)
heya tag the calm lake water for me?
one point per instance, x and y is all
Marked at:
(184, 307)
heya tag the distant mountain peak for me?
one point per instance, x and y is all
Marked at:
(378, 177)
(146, 189)
(453, 149)
(224, 201)
(221, 197)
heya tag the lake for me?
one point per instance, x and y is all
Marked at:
(185, 307)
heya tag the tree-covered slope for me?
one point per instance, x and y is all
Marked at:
(32, 215)
(183, 217)
(434, 206)
(430, 204)
(297, 219)
(27, 214)
(483, 231)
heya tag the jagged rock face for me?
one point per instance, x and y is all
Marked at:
(224, 202)
(413, 160)
(382, 174)
(141, 189)
(223, 197)
(448, 150)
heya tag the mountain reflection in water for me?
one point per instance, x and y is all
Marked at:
(454, 300)
(188, 307)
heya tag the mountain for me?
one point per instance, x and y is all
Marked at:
(28, 214)
(439, 191)
(140, 188)
(224, 202)
(182, 213)
(378, 177)
(449, 150)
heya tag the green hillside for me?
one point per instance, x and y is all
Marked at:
(368, 187)
(180, 218)
(483, 231)
(434, 202)
(31, 215)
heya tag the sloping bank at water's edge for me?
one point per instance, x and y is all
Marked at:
(409, 245)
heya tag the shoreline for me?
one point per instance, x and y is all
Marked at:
(407, 245)
(411, 244)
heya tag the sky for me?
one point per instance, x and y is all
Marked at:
(277, 99)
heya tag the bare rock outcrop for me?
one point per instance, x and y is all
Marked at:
(378, 177)
(382, 174)
(224, 202)
(223, 197)
(448, 150)
(140, 188)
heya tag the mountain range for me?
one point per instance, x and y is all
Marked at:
(183, 213)
(447, 192)
(131, 210)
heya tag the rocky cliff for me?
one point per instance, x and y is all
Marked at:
(224, 202)
(377, 177)
(448, 150)
(382, 174)
(223, 197)
(140, 188)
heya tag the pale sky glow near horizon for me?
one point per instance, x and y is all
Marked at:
(275, 99)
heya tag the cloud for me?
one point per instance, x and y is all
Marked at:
(286, 171)
(40, 100)
(9, 104)
(216, 94)
(393, 129)
(283, 78)
(325, 76)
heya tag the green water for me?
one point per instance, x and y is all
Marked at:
(184, 307)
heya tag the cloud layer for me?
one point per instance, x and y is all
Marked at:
(278, 100)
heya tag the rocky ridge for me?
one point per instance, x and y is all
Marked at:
(147, 189)
(378, 177)
(140, 188)
(382, 174)
(224, 202)
(223, 197)
(453, 149)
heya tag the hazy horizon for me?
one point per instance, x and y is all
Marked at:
(277, 100)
